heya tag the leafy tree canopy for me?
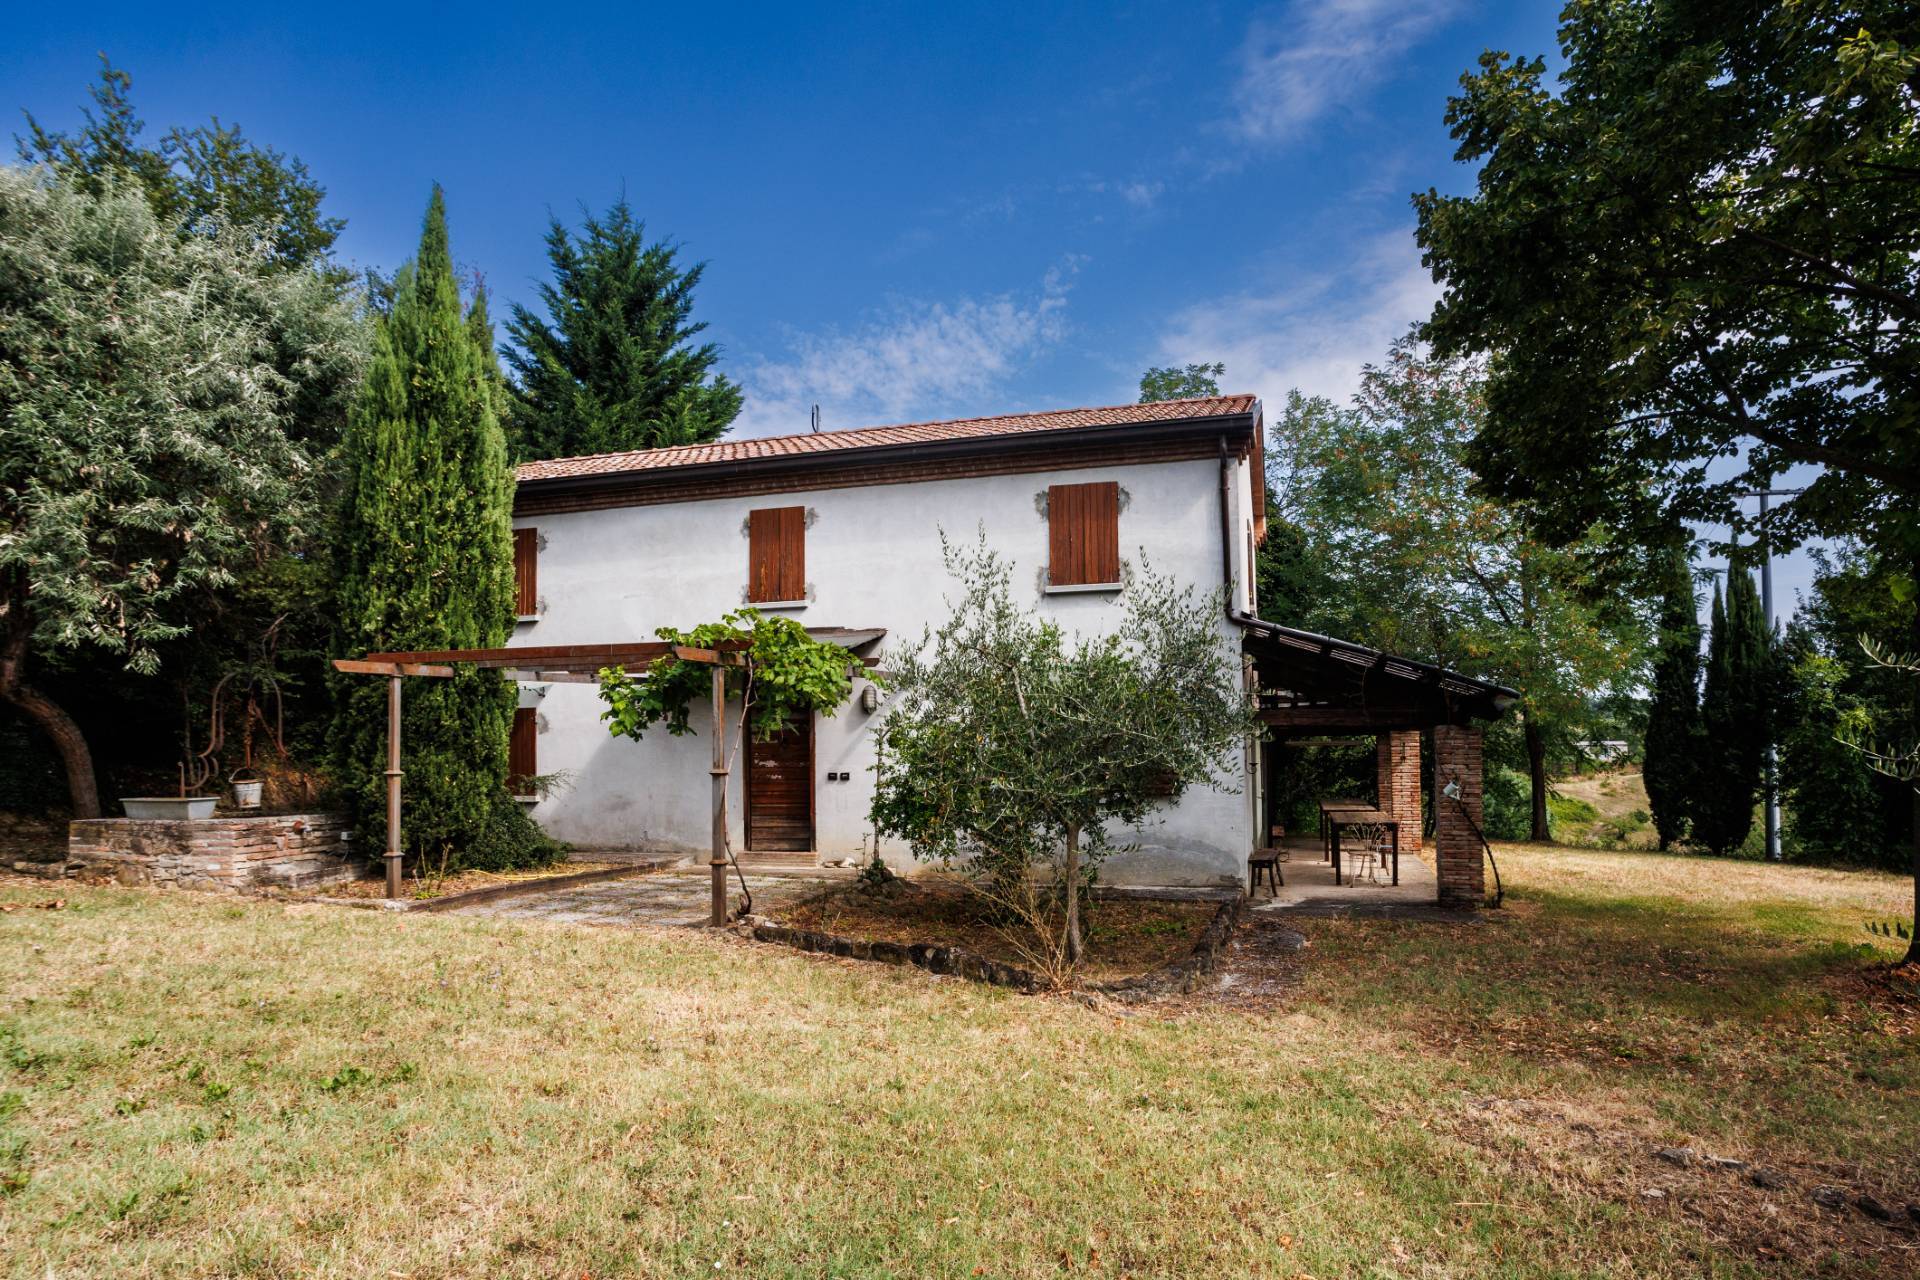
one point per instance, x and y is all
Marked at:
(1701, 239)
(147, 443)
(193, 176)
(613, 365)
(1181, 382)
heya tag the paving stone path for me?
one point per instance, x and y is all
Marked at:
(673, 898)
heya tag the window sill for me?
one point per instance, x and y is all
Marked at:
(526, 617)
(529, 801)
(777, 605)
(1080, 588)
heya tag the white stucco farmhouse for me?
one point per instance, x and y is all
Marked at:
(842, 530)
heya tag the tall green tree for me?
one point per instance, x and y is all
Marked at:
(148, 448)
(1415, 560)
(613, 364)
(1734, 716)
(1673, 719)
(193, 176)
(426, 562)
(1833, 811)
(1696, 240)
(1836, 695)
(1181, 382)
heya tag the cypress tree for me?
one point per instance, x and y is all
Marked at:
(1734, 716)
(1673, 721)
(613, 366)
(427, 563)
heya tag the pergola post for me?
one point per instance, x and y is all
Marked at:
(393, 786)
(717, 860)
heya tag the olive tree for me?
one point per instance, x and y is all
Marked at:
(1013, 751)
(147, 449)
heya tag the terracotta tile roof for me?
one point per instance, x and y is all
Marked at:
(1013, 424)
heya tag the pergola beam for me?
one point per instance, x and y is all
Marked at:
(1356, 719)
(368, 668)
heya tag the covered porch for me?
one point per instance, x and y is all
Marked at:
(1316, 688)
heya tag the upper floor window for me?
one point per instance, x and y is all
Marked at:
(777, 555)
(526, 582)
(1083, 535)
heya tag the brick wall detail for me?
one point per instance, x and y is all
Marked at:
(1459, 859)
(1399, 768)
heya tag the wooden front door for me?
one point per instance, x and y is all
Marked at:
(780, 789)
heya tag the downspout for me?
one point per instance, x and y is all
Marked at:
(1257, 782)
(1234, 615)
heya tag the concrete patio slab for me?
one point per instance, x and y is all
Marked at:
(677, 898)
(1310, 886)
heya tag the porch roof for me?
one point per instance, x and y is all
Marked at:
(1312, 682)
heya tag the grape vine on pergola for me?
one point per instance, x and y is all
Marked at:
(572, 664)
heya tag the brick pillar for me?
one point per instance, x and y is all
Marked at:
(1399, 765)
(1457, 853)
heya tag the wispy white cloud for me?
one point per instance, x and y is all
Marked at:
(1323, 55)
(1313, 330)
(917, 360)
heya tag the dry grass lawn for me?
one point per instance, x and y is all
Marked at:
(198, 1087)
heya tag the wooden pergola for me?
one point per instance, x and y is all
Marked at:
(576, 664)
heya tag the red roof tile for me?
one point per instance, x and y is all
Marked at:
(768, 447)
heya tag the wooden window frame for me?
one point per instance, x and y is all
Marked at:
(1083, 536)
(523, 749)
(526, 575)
(777, 557)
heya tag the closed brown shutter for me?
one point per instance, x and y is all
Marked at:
(522, 762)
(526, 563)
(777, 554)
(1083, 531)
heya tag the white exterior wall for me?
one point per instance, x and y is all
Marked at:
(873, 560)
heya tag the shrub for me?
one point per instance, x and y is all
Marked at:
(509, 840)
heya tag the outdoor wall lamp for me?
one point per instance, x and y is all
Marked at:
(870, 699)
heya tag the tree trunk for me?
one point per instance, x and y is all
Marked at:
(1913, 945)
(1913, 636)
(1537, 779)
(1074, 944)
(45, 714)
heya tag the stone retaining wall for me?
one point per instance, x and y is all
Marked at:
(229, 855)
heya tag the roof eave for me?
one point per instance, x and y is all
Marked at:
(881, 454)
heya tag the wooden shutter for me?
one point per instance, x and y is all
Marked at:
(522, 761)
(777, 554)
(1083, 530)
(526, 563)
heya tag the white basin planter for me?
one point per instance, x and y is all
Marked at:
(171, 808)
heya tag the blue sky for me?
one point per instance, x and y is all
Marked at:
(908, 211)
